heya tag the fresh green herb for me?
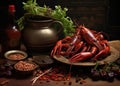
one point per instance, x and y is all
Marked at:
(58, 13)
(33, 8)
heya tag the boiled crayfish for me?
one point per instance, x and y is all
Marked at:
(82, 45)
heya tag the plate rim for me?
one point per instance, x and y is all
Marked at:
(101, 62)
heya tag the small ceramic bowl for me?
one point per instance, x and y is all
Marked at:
(14, 56)
(25, 68)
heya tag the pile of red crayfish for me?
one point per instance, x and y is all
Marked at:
(84, 44)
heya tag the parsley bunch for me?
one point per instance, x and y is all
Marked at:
(58, 13)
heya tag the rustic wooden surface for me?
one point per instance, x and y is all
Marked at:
(71, 82)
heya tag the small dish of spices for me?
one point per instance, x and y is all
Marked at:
(14, 56)
(25, 68)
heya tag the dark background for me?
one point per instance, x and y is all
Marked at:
(113, 16)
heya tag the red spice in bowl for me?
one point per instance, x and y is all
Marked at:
(25, 68)
(15, 55)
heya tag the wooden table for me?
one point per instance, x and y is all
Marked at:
(12, 81)
(71, 82)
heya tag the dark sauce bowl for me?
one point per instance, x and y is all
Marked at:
(44, 61)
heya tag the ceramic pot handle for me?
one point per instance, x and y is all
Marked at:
(59, 27)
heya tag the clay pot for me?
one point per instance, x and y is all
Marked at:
(41, 33)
